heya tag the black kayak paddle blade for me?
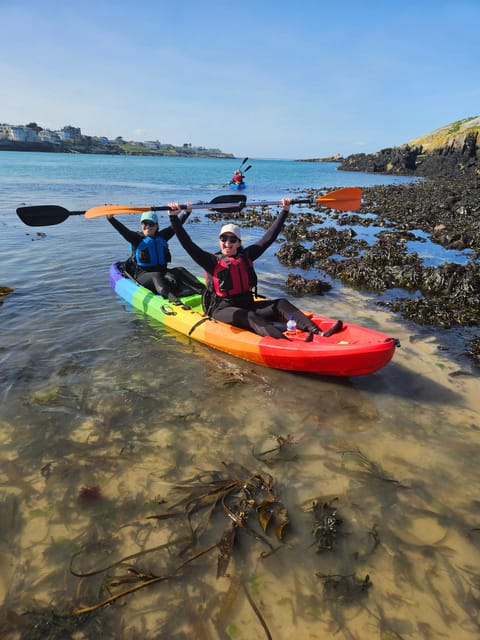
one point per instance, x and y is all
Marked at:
(238, 200)
(43, 215)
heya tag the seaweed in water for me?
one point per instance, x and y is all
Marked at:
(326, 523)
(342, 588)
(270, 454)
(247, 500)
(45, 624)
(372, 468)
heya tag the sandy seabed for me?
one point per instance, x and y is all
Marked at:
(395, 454)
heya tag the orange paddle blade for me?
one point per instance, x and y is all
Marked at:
(349, 193)
(345, 205)
(347, 199)
(112, 210)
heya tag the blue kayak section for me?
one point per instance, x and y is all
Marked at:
(238, 187)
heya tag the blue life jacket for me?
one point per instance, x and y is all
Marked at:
(152, 252)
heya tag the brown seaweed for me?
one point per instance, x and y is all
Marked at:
(326, 524)
(344, 588)
(272, 453)
(371, 468)
(237, 493)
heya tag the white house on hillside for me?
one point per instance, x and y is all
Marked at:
(19, 133)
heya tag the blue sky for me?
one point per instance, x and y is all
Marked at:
(263, 78)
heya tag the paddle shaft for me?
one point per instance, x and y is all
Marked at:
(237, 205)
(347, 199)
(203, 205)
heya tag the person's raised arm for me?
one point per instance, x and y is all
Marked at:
(203, 258)
(125, 232)
(257, 248)
(168, 232)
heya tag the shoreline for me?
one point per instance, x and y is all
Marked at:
(109, 150)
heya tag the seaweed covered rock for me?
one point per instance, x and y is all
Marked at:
(297, 284)
(293, 254)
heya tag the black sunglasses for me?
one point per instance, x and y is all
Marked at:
(232, 239)
(148, 223)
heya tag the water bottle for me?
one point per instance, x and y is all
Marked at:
(291, 325)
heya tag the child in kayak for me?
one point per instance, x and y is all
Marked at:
(231, 279)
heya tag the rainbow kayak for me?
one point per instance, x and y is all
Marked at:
(352, 351)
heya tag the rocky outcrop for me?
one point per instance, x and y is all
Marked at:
(448, 151)
(335, 158)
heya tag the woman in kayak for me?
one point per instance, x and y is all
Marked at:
(231, 279)
(150, 253)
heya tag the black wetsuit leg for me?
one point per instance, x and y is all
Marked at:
(156, 282)
(282, 309)
(247, 319)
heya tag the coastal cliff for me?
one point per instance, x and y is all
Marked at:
(452, 150)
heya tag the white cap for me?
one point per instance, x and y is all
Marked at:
(231, 228)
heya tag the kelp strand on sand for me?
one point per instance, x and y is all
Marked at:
(235, 492)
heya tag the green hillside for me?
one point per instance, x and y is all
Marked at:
(448, 135)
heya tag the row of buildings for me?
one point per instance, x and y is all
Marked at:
(71, 137)
(33, 133)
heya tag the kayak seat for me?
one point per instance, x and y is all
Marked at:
(183, 282)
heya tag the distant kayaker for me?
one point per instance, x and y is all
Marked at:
(237, 177)
(150, 253)
(232, 281)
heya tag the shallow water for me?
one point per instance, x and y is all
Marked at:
(95, 395)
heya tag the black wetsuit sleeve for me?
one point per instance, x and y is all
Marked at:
(130, 236)
(168, 232)
(255, 250)
(203, 258)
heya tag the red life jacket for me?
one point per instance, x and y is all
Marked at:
(233, 276)
(237, 177)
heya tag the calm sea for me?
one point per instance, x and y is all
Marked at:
(94, 394)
